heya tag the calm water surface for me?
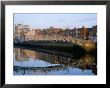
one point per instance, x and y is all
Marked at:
(29, 62)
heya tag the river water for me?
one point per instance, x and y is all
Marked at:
(39, 62)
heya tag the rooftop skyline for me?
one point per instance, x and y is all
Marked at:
(59, 20)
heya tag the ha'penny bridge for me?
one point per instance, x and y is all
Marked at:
(57, 42)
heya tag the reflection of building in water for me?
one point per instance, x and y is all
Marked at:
(29, 54)
(19, 54)
(87, 62)
(23, 54)
(84, 63)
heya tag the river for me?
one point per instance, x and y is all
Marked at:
(39, 62)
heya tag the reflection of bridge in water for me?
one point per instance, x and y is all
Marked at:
(81, 64)
(63, 62)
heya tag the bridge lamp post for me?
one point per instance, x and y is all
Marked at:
(57, 34)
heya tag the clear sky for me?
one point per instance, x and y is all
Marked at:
(62, 20)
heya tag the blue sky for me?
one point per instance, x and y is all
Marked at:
(46, 20)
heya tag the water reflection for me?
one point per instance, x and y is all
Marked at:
(28, 62)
